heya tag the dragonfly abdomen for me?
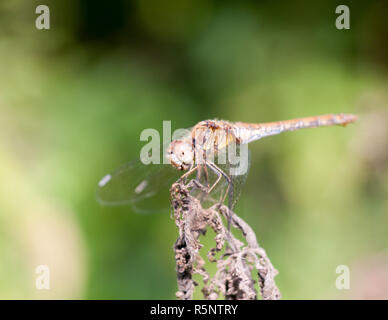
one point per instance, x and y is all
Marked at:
(248, 132)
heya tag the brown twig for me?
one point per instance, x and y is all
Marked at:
(233, 278)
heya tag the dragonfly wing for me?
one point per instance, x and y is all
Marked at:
(237, 178)
(237, 184)
(144, 187)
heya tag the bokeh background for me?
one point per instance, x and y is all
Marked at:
(74, 99)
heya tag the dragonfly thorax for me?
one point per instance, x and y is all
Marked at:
(180, 154)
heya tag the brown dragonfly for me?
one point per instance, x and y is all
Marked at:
(196, 152)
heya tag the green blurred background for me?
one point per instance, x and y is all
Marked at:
(74, 99)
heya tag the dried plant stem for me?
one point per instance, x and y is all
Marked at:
(233, 278)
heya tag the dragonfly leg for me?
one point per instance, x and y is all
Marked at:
(206, 175)
(220, 174)
(198, 185)
(219, 177)
(188, 173)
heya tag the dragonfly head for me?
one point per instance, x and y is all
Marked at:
(180, 154)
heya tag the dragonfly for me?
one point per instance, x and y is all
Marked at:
(198, 152)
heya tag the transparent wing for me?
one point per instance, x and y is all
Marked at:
(207, 177)
(144, 187)
(238, 174)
